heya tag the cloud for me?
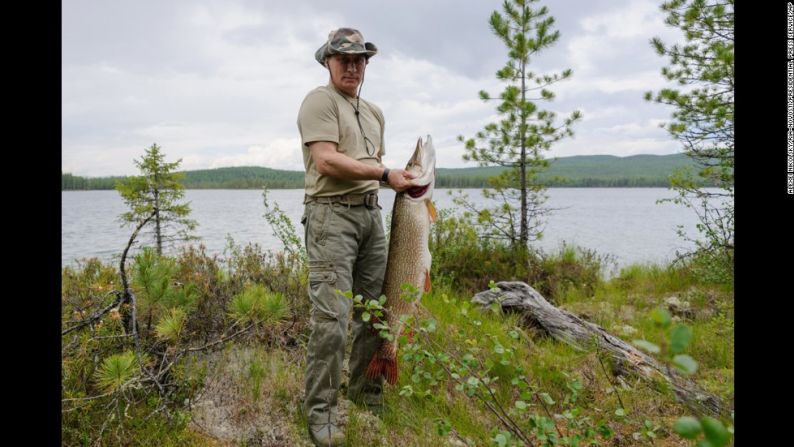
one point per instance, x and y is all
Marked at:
(617, 41)
(217, 83)
(282, 152)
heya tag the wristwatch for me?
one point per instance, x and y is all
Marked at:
(385, 177)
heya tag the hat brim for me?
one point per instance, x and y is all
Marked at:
(325, 51)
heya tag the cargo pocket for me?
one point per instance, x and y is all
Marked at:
(322, 277)
(319, 222)
(322, 290)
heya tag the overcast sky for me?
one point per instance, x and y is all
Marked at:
(219, 83)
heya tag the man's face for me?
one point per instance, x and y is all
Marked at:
(347, 70)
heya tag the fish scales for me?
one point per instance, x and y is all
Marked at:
(409, 256)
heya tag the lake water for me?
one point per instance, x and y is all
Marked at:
(624, 222)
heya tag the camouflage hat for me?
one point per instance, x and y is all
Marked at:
(345, 41)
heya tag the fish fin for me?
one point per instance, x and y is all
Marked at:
(432, 210)
(427, 280)
(381, 366)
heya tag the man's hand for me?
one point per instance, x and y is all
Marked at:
(400, 179)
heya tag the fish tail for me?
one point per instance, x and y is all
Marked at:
(381, 365)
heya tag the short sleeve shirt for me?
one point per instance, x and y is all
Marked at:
(329, 115)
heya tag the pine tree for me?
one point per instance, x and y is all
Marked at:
(525, 132)
(157, 192)
(703, 102)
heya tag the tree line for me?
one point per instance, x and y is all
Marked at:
(581, 171)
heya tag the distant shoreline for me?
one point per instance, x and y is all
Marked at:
(582, 171)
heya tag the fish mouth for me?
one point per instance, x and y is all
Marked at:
(423, 165)
(417, 191)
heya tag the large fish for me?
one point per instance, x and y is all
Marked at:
(409, 255)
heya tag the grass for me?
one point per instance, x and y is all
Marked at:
(258, 383)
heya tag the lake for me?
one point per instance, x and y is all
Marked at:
(623, 222)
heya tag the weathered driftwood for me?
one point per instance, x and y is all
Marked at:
(582, 335)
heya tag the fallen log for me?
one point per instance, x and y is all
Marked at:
(582, 335)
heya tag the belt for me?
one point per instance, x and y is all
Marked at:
(369, 199)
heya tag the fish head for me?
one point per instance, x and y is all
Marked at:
(423, 166)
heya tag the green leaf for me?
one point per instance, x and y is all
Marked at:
(680, 339)
(645, 345)
(407, 391)
(688, 427)
(365, 316)
(500, 440)
(443, 426)
(685, 363)
(620, 412)
(605, 431)
(715, 432)
(521, 405)
(495, 308)
(661, 317)
(546, 398)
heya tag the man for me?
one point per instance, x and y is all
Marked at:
(343, 145)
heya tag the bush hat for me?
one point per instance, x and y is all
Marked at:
(345, 41)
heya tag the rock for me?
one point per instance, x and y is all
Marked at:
(679, 308)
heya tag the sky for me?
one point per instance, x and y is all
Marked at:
(219, 83)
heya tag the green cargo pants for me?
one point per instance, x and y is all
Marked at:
(347, 251)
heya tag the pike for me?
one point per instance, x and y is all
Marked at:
(409, 256)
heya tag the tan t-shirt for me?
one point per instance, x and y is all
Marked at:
(328, 115)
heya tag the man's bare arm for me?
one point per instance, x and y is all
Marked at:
(335, 164)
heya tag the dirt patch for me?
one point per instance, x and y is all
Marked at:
(235, 411)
